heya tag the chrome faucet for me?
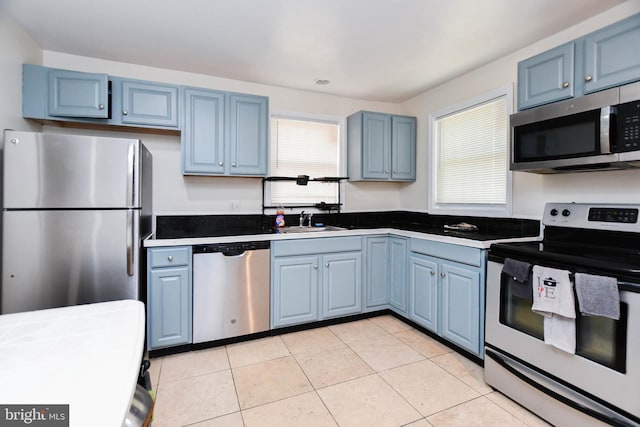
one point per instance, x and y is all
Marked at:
(303, 217)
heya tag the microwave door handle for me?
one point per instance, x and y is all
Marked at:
(605, 133)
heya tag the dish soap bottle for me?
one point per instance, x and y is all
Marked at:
(280, 217)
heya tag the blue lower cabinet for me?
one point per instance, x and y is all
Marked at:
(169, 297)
(398, 283)
(447, 297)
(314, 279)
(460, 298)
(294, 292)
(423, 284)
(377, 272)
(341, 284)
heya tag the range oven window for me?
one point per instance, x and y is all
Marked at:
(599, 339)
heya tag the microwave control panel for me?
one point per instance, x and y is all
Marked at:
(629, 126)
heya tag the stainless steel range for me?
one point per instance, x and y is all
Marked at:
(593, 378)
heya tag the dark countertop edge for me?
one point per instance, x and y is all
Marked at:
(191, 241)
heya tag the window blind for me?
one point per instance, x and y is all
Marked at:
(472, 155)
(303, 147)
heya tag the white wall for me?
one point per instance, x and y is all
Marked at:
(175, 193)
(530, 191)
(16, 47)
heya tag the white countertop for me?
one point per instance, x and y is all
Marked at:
(87, 356)
(481, 244)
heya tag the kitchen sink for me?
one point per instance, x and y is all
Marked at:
(306, 229)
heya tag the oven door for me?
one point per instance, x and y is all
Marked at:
(604, 371)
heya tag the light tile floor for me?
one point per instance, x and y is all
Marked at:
(373, 372)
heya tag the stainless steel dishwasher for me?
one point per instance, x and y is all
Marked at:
(230, 290)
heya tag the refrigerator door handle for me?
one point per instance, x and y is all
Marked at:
(131, 172)
(130, 239)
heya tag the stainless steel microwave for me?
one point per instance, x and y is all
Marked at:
(599, 131)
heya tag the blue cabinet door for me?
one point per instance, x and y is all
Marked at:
(398, 273)
(376, 146)
(294, 296)
(248, 134)
(169, 307)
(342, 284)
(460, 320)
(612, 55)
(423, 284)
(203, 140)
(377, 279)
(381, 147)
(403, 148)
(546, 77)
(76, 94)
(147, 103)
(169, 301)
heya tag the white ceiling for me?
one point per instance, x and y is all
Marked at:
(385, 50)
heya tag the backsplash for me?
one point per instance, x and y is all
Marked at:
(190, 226)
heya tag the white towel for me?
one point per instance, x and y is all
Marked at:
(553, 298)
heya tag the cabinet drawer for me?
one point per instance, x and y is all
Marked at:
(463, 254)
(316, 246)
(169, 257)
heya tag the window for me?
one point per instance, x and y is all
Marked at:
(470, 155)
(302, 146)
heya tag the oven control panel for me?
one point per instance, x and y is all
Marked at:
(623, 217)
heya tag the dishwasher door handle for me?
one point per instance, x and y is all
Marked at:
(233, 254)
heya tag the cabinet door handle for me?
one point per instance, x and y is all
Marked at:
(432, 272)
(327, 265)
(220, 164)
(101, 107)
(442, 275)
(170, 258)
(386, 171)
(588, 78)
(125, 112)
(395, 171)
(565, 85)
(315, 266)
(233, 165)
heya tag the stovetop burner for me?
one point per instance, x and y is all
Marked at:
(596, 239)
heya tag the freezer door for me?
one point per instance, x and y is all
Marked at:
(43, 171)
(61, 258)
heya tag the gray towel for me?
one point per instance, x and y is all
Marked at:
(518, 269)
(598, 295)
(521, 273)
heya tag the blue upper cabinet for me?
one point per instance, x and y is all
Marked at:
(403, 148)
(203, 133)
(376, 144)
(224, 133)
(147, 103)
(98, 99)
(547, 77)
(612, 55)
(381, 147)
(600, 60)
(248, 134)
(74, 94)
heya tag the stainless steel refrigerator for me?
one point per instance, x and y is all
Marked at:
(74, 212)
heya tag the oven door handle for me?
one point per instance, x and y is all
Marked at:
(561, 392)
